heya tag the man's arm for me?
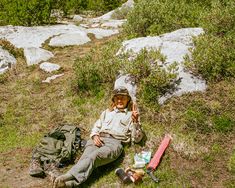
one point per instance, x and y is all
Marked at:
(136, 132)
(95, 131)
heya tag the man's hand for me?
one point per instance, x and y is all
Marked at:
(135, 114)
(97, 140)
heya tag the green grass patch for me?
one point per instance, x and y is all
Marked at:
(11, 138)
(223, 123)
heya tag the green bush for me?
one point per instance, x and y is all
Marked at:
(121, 13)
(213, 58)
(101, 67)
(223, 123)
(96, 69)
(103, 5)
(220, 20)
(26, 12)
(153, 80)
(35, 12)
(160, 16)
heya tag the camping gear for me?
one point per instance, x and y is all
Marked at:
(135, 175)
(35, 168)
(141, 159)
(157, 156)
(122, 175)
(56, 148)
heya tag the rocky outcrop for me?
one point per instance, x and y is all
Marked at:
(49, 67)
(31, 39)
(67, 39)
(174, 46)
(107, 19)
(6, 60)
(77, 18)
(108, 16)
(101, 33)
(35, 55)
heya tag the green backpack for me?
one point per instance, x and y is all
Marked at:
(59, 146)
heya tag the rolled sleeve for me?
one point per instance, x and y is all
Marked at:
(96, 128)
(136, 132)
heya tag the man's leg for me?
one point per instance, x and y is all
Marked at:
(94, 156)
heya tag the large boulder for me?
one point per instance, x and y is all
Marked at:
(67, 39)
(128, 82)
(113, 23)
(31, 39)
(101, 33)
(36, 55)
(49, 67)
(6, 60)
(108, 16)
(77, 18)
(174, 46)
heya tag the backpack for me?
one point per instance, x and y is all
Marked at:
(59, 145)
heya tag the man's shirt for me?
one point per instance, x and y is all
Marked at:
(119, 124)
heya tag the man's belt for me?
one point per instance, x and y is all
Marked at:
(106, 135)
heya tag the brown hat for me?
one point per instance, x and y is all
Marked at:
(120, 91)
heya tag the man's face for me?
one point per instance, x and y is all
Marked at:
(121, 101)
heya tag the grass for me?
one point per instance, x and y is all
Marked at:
(201, 124)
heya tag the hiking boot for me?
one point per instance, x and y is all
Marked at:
(62, 180)
(35, 168)
(71, 184)
(51, 170)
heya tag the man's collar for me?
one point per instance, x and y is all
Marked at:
(117, 110)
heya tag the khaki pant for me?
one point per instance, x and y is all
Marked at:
(94, 157)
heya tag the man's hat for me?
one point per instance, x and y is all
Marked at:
(120, 91)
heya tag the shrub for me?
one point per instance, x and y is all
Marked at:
(220, 20)
(101, 67)
(160, 16)
(154, 81)
(96, 69)
(103, 5)
(27, 13)
(35, 12)
(16, 52)
(80, 5)
(213, 58)
(121, 13)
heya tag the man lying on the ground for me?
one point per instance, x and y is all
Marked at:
(117, 125)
